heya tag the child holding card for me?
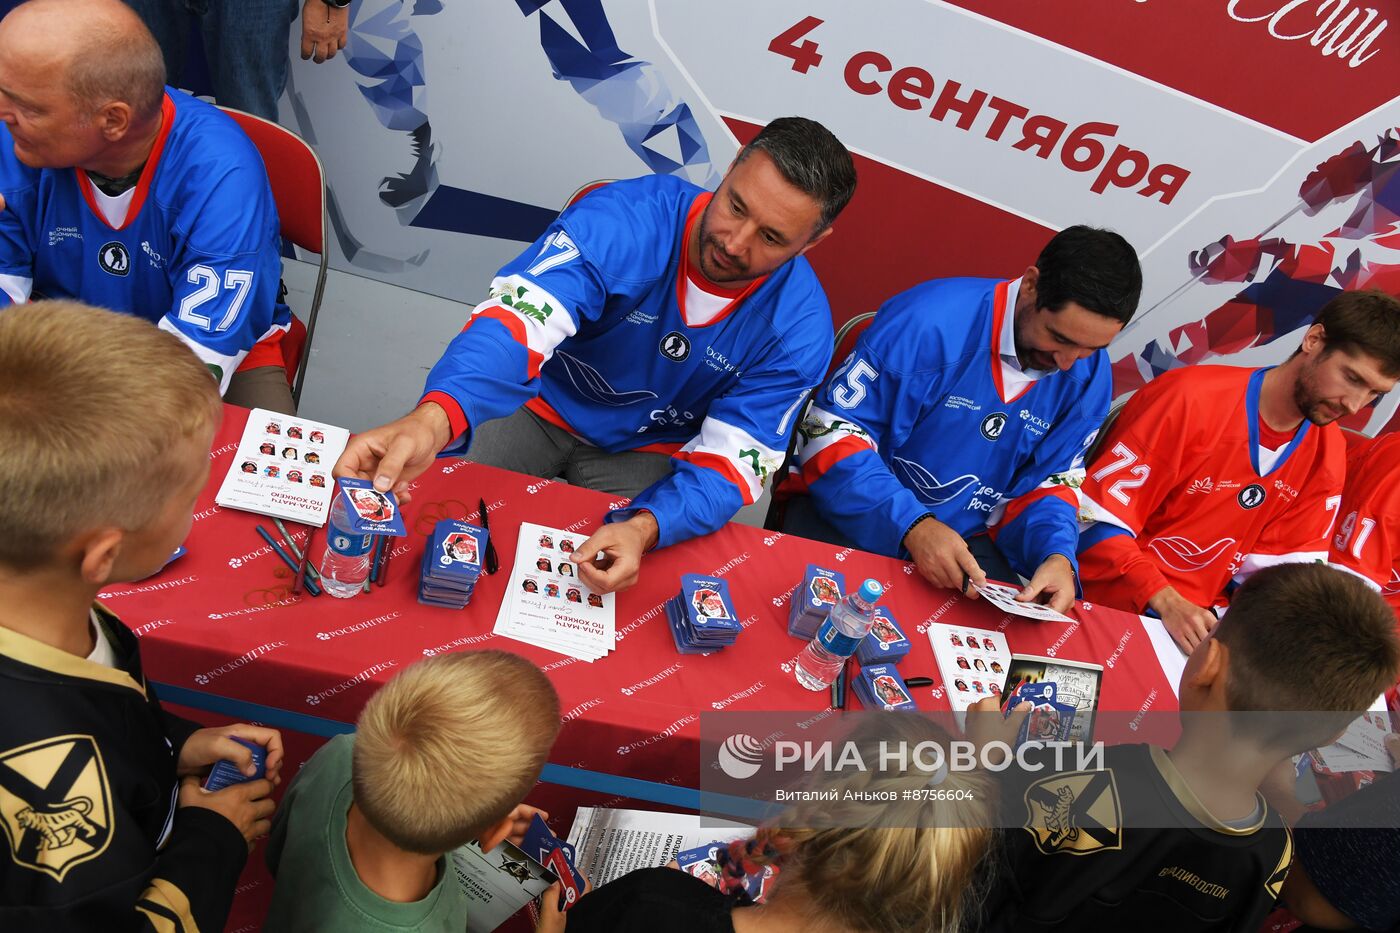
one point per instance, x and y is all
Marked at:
(104, 822)
(442, 756)
(1183, 837)
(849, 865)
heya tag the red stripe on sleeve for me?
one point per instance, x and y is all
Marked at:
(720, 465)
(455, 416)
(1016, 506)
(828, 457)
(512, 323)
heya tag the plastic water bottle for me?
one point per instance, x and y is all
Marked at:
(345, 565)
(849, 622)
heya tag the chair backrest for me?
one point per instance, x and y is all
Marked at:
(297, 178)
(846, 338)
(298, 182)
(591, 186)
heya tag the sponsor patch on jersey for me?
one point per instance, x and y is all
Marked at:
(993, 425)
(675, 347)
(1251, 496)
(55, 803)
(114, 259)
(1077, 813)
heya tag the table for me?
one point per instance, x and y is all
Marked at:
(220, 629)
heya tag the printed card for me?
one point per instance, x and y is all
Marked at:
(282, 468)
(371, 512)
(1004, 598)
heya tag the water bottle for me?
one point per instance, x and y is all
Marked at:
(849, 622)
(345, 565)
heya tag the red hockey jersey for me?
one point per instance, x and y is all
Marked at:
(1367, 541)
(1176, 495)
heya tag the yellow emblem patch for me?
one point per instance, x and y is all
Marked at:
(55, 803)
(1076, 813)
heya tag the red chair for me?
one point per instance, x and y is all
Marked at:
(846, 337)
(299, 189)
(787, 484)
(591, 186)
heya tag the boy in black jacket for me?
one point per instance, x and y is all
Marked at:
(105, 428)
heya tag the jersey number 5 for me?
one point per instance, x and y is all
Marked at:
(849, 394)
(209, 288)
(1137, 475)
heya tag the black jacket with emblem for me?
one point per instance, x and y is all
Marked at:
(1128, 847)
(87, 800)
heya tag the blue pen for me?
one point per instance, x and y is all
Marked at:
(311, 587)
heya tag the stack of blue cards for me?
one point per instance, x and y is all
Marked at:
(812, 600)
(702, 615)
(879, 686)
(452, 564)
(886, 642)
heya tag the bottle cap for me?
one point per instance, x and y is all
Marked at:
(871, 590)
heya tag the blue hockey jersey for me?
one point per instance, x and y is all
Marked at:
(198, 253)
(916, 421)
(587, 327)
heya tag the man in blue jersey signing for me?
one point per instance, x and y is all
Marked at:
(126, 194)
(968, 405)
(656, 342)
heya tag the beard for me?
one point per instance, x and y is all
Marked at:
(735, 271)
(1308, 400)
(1030, 360)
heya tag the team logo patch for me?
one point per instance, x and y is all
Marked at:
(675, 346)
(1077, 813)
(114, 259)
(55, 803)
(993, 425)
(1251, 496)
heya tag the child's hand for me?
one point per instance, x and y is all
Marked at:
(986, 725)
(247, 806)
(552, 919)
(206, 746)
(520, 821)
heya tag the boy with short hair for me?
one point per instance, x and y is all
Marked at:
(105, 428)
(442, 756)
(1183, 840)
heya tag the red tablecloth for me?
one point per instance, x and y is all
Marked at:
(222, 620)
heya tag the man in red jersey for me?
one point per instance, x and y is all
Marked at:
(1212, 472)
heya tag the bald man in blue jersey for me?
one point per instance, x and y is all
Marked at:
(128, 195)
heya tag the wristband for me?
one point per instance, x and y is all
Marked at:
(914, 524)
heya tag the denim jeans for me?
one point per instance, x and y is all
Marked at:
(245, 43)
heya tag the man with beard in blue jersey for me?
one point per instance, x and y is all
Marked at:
(656, 342)
(969, 405)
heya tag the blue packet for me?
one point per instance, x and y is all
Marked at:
(226, 774)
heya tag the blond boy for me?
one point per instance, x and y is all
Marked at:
(105, 427)
(442, 756)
